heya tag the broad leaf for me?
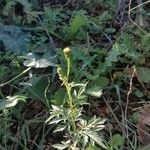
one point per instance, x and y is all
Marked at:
(37, 86)
(34, 61)
(143, 74)
(116, 141)
(13, 38)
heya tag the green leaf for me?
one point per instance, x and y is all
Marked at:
(95, 91)
(100, 82)
(94, 88)
(95, 137)
(37, 86)
(110, 30)
(13, 38)
(3, 70)
(11, 101)
(91, 147)
(139, 94)
(116, 141)
(112, 56)
(60, 128)
(143, 74)
(59, 96)
(76, 23)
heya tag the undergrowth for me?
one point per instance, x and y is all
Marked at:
(87, 96)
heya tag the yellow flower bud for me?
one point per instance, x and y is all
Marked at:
(67, 51)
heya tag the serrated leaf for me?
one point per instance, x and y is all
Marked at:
(55, 121)
(143, 74)
(60, 128)
(95, 137)
(112, 57)
(76, 24)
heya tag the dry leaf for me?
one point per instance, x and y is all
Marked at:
(143, 126)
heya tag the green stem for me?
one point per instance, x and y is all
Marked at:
(71, 107)
(68, 68)
(70, 101)
(68, 88)
(9, 81)
(45, 94)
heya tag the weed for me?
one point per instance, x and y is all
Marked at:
(80, 130)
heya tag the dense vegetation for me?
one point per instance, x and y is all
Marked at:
(74, 74)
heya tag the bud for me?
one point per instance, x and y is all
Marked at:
(67, 51)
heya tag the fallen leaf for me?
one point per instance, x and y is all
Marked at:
(143, 126)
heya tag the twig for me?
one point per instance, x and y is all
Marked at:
(139, 5)
(127, 103)
(129, 15)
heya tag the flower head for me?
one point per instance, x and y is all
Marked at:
(67, 52)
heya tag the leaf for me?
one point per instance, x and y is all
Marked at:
(11, 101)
(143, 74)
(95, 91)
(33, 61)
(147, 147)
(37, 86)
(110, 30)
(60, 146)
(95, 137)
(13, 38)
(59, 96)
(76, 23)
(116, 141)
(139, 93)
(112, 56)
(143, 126)
(60, 128)
(3, 70)
(95, 86)
(91, 147)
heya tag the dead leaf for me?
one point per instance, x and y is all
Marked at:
(143, 126)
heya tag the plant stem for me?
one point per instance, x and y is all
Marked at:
(68, 88)
(71, 107)
(9, 81)
(68, 68)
